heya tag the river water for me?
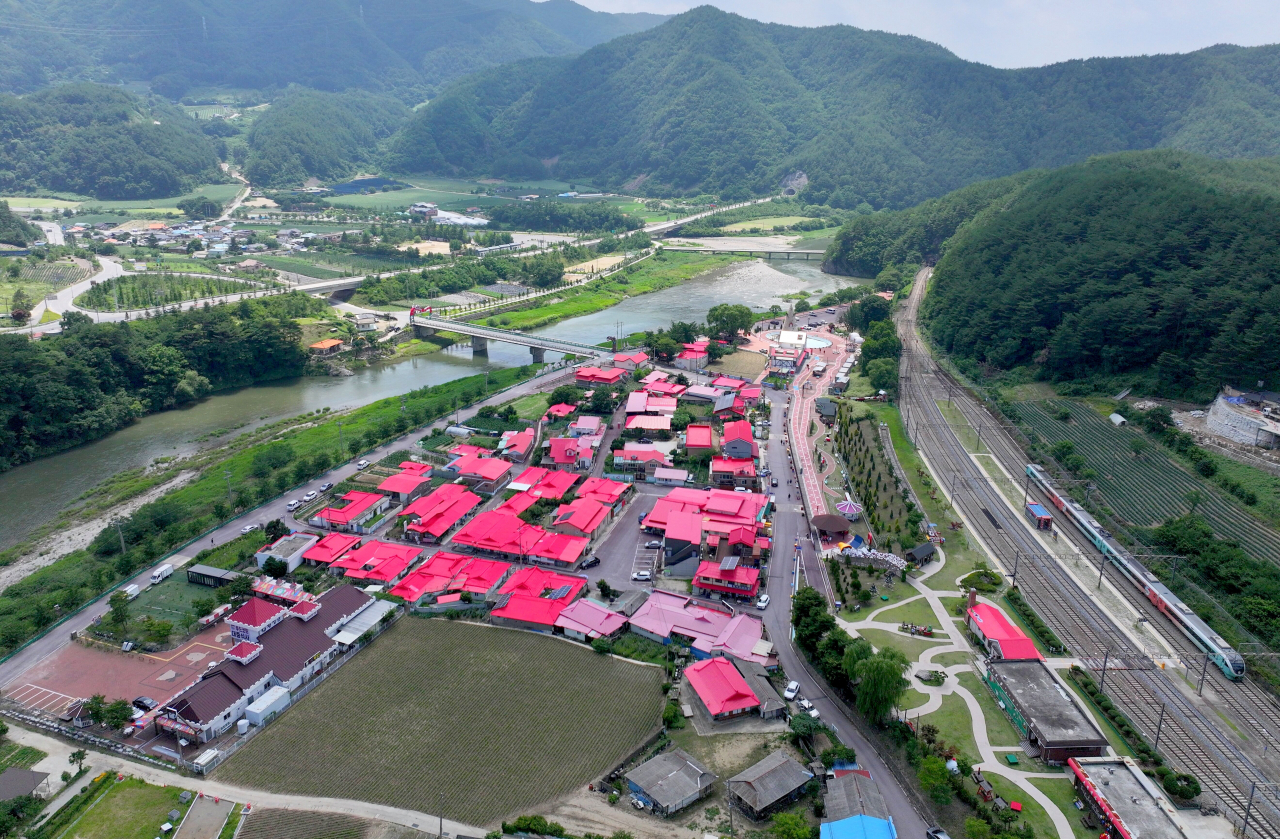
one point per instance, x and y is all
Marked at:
(35, 492)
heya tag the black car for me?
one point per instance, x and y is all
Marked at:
(590, 563)
(145, 703)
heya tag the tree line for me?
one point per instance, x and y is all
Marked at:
(92, 379)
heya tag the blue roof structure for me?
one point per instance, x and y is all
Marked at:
(1037, 509)
(859, 827)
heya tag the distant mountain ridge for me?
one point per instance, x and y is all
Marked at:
(714, 102)
(406, 47)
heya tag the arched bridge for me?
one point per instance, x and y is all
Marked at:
(482, 335)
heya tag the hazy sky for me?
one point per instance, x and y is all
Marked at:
(1020, 33)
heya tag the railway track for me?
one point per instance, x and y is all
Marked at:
(1187, 736)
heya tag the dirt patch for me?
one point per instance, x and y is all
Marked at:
(426, 247)
(265, 203)
(57, 545)
(603, 263)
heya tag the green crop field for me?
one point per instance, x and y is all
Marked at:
(138, 291)
(1150, 488)
(496, 720)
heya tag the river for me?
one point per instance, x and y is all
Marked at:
(35, 492)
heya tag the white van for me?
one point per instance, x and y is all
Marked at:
(131, 590)
(162, 573)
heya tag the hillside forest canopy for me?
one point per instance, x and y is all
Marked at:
(1155, 270)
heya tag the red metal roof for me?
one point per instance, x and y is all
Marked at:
(447, 571)
(404, 482)
(331, 547)
(739, 580)
(441, 509)
(737, 466)
(590, 619)
(720, 686)
(699, 437)
(604, 490)
(649, 423)
(379, 561)
(528, 601)
(584, 515)
(665, 388)
(357, 503)
(595, 374)
(737, 430)
(990, 622)
(480, 468)
(561, 410)
(255, 613)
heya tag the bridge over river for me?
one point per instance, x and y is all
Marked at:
(481, 336)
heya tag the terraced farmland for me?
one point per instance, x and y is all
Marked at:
(1148, 489)
(497, 720)
(300, 824)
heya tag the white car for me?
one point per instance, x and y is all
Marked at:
(641, 576)
(804, 704)
(813, 712)
(311, 496)
(364, 464)
(249, 528)
(792, 691)
(293, 505)
(763, 602)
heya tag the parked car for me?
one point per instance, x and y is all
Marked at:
(831, 311)
(641, 576)
(653, 543)
(936, 833)
(249, 528)
(792, 691)
(311, 496)
(325, 487)
(591, 562)
(805, 705)
(741, 489)
(146, 703)
(763, 602)
(813, 712)
(774, 482)
(645, 440)
(364, 464)
(293, 505)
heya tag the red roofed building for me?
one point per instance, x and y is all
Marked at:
(356, 515)
(586, 620)
(431, 518)
(329, 548)
(485, 475)
(560, 550)
(604, 490)
(561, 410)
(737, 581)
(721, 688)
(586, 426)
(1001, 638)
(464, 449)
(653, 378)
(727, 382)
(415, 468)
(500, 532)
(665, 388)
(447, 572)
(732, 407)
(516, 445)
(647, 422)
(751, 395)
(533, 598)
(637, 457)
(381, 563)
(733, 472)
(544, 483)
(569, 453)
(594, 375)
(738, 441)
(691, 359)
(699, 438)
(255, 617)
(518, 503)
(630, 361)
(405, 486)
(582, 517)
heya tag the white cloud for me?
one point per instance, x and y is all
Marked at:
(1021, 33)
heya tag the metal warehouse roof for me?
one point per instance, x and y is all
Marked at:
(671, 777)
(775, 777)
(364, 621)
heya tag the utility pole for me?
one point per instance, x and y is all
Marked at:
(1017, 553)
(226, 473)
(1159, 725)
(119, 532)
(1105, 657)
(1204, 671)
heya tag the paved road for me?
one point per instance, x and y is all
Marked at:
(789, 525)
(52, 232)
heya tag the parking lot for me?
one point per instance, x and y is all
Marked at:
(623, 550)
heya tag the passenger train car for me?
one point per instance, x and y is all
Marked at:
(1227, 659)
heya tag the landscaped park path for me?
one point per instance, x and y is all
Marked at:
(989, 761)
(59, 751)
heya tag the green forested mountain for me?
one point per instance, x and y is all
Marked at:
(409, 47)
(100, 141)
(714, 102)
(307, 133)
(14, 229)
(1153, 269)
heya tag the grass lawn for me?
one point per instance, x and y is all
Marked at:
(948, 659)
(170, 600)
(1032, 813)
(455, 703)
(952, 603)
(1000, 731)
(132, 809)
(765, 223)
(911, 647)
(1063, 793)
(912, 698)
(918, 612)
(740, 363)
(530, 407)
(298, 266)
(12, 754)
(955, 725)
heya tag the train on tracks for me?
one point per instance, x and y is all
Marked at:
(1219, 651)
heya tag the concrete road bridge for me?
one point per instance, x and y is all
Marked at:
(766, 254)
(481, 336)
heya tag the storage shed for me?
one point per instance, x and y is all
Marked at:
(670, 782)
(777, 780)
(262, 710)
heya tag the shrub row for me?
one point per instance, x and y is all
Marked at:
(1039, 627)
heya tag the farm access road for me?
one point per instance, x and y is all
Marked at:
(101, 762)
